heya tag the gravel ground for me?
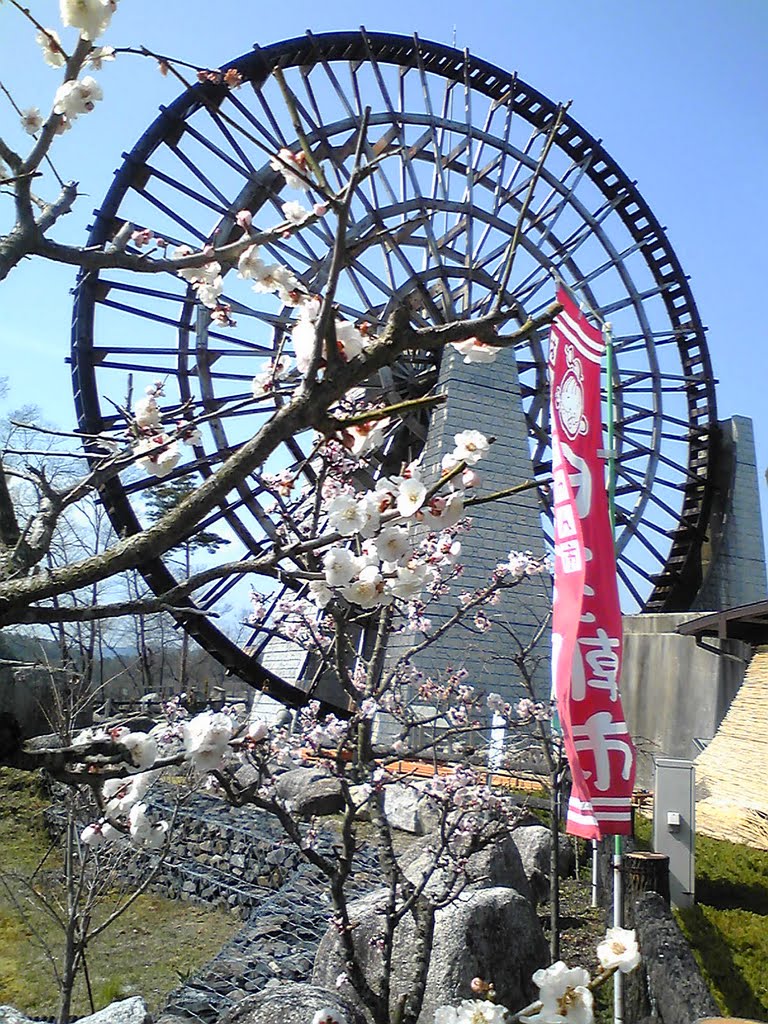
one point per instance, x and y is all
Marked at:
(582, 926)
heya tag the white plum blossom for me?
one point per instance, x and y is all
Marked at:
(471, 446)
(157, 455)
(258, 608)
(449, 462)
(264, 382)
(326, 1015)
(295, 213)
(50, 43)
(409, 581)
(206, 280)
(288, 164)
(522, 563)
(110, 833)
(619, 949)
(250, 264)
(92, 835)
(564, 995)
(476, 351)
(92, 17)
(98, 55)
(368, 590)
(362, 437)
(340, 566)
(120, 795)
(144, 831)
(146, 412)
(75, 98)
(208, 292)
(320, 593)
(206, 738)
(369, 510)
(142, 236)
(31, 120)
(472, 1011)
(141, 747)
(350, 340)
(347, 515)
(188, 273)
(154, 838)
(495, 702)
(257, 729)
(303, 338)
(393, 544)
(410, 496)
(274, 277)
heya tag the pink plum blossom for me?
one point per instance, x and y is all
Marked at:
(157, 455)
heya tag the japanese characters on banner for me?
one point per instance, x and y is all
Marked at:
(586, 622)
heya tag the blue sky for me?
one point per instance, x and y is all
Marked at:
(676, 90)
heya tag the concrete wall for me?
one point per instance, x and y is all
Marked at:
(673, 690)
(734, 556)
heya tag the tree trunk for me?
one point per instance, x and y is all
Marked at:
(644, 872)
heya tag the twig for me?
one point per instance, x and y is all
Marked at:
(510, 259)
(290, 102)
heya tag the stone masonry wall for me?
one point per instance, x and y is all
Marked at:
(487, 398)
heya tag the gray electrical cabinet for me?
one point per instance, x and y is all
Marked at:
(674, 825)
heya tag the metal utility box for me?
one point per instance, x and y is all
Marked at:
(674, 825)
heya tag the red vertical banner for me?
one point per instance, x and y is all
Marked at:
(586, 618)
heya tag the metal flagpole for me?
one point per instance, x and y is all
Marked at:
(618, 888)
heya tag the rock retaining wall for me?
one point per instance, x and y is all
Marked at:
(240, 858)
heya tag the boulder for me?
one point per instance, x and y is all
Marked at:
(10, 1015)
(488, 932)
(291, 1002)
(310, 792)
(534, 843)
(498, 864)
(408, 809)
(124, 1011)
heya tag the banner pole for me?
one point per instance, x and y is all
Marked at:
(618, 888)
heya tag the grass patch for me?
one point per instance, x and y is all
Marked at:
(146, 952)
(728, 925)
